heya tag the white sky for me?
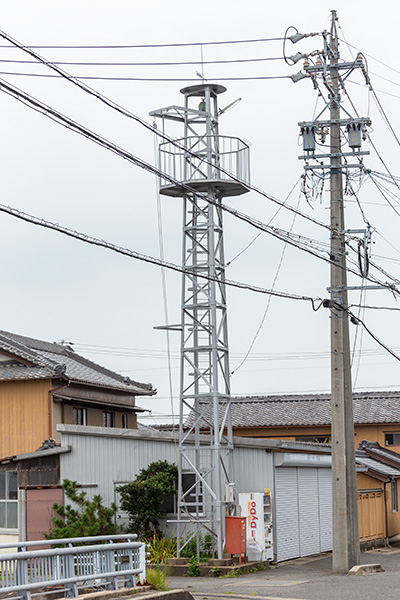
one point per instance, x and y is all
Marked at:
(58, 288)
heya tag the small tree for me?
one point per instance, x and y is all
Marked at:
(88, 517)
(143, 499)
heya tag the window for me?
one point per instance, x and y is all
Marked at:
(392, 439)
(122, 516)
(79, 416)
(394, 496)
(8, 500)
(316, 439)
(170, 502)
(108, 419)
(124, 421)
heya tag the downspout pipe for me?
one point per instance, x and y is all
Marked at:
(386, 514)
(50, 405)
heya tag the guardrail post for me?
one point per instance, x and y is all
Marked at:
(71, 589)
(22, 578)
(131, 561)
(110, 566)
(142, 563)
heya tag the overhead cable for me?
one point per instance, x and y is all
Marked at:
(143, 257)
(111, 104)
(172, 45)
(178, 79)
(145, 64)
(299, 242)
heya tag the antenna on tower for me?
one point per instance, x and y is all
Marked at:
(201, 75)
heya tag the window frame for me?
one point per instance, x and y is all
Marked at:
(7, 501)
(395, 435)
(395, 499)
(106, 416)
(314, 439)
(81, 415)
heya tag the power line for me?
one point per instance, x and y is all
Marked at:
(152, 354)
(315, 302)
(145, 64)
(373, 58)
(74, 126)
(300, 242)
(157, 79)
(111, 104)
(357, 321)
(171, 45)
(376, 89)
(143, 257)
(253, 341)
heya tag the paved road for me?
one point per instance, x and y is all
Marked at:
(303, 579)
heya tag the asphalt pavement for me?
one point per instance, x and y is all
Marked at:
(309, 578)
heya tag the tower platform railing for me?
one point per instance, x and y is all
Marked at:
(225, 168)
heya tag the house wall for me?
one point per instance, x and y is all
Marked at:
(368, 518)
(24, 416)
(371, 508)
(57, 418)
(95, 416)
(281, 433)
(374, 432)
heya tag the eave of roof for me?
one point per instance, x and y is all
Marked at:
(50, 360)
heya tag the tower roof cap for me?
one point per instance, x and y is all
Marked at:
(199, 90)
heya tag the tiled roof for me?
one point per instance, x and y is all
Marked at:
(47, 360)
(377, 466)
(383, 462)
(305, 409)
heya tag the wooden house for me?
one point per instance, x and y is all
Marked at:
(377, 486)
(43, 384)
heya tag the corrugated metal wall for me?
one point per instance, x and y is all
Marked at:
(253, 469)
(104, 459)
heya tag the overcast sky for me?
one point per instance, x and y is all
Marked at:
(58, 288)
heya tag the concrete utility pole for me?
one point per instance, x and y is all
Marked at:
(346, 542)
(327, 69)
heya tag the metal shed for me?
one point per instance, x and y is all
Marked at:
(298, 475)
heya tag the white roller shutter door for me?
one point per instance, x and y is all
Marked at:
(287, 514)
(303, 511)
(308, 495)
(325, 508)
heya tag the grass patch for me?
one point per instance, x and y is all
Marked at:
(157, 577)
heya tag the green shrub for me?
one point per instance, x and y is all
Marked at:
(205, 543)
(89, 517)
(143, 498)
(193, 568)
(159, 548)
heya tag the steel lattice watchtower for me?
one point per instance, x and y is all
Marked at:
(205, 167)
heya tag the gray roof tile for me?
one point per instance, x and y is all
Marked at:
(48, 360)
(305, 409)
(378, 466)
